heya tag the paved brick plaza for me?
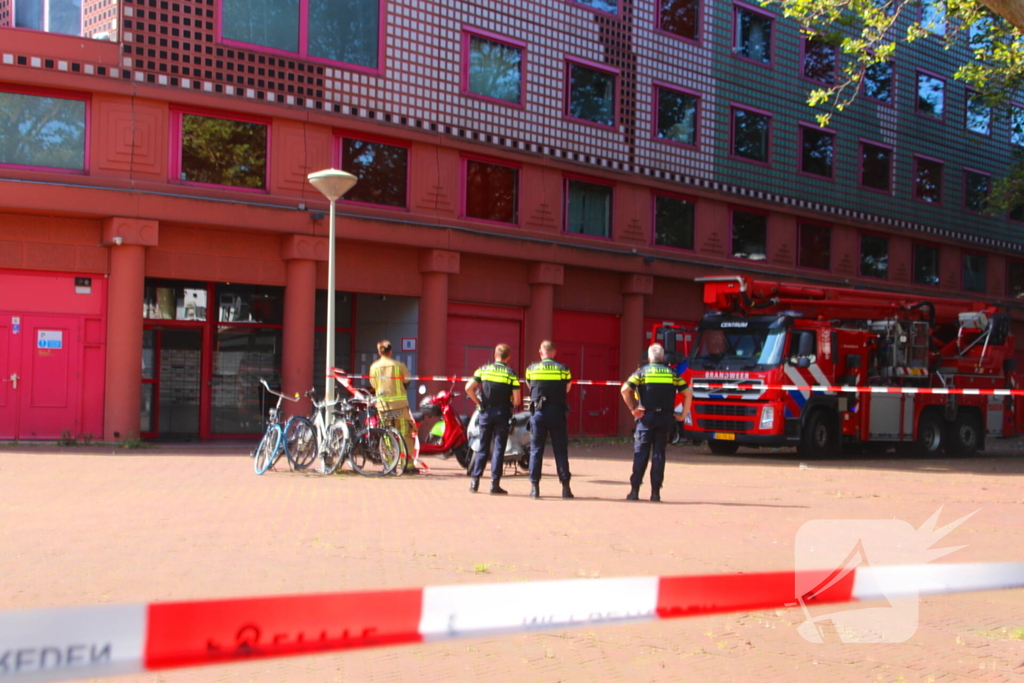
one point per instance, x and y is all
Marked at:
(85, 525)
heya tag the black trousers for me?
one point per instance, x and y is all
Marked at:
(494, 436)
(651, 435)
(550, 419)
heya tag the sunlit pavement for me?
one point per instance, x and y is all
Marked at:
(100, 525)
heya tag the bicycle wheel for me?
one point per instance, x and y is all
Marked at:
(376, 451)
(300, 442)
(266, 452)
(332, 453)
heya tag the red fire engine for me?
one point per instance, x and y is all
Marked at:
(763, 346)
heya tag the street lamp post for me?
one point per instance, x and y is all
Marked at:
(332, 184)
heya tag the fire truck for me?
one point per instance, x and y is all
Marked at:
(765, 352)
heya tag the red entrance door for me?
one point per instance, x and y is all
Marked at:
(588, 344)
(473, 332)
(10, 362)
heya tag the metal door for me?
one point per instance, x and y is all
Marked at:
(10, 365)
(48, 388)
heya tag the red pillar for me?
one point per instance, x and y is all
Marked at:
(435, 265)
(299, 323)
(127, 239)
(540, 315)
(631, 334)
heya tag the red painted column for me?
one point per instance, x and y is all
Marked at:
(127, 239)
(543, 278)
(299, 323)
(631, 335)
(435, 265)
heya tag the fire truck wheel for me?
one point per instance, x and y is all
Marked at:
(929, 436)
(819, 437)
(723, 447)
(963, 437)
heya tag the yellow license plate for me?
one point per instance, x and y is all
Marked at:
(725, 436)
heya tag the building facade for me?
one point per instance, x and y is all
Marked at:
(529, 170)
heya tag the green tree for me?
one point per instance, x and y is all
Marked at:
(988, 35)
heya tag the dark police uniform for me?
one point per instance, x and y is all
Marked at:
(497, 383)
(548, 380)
(657, 385)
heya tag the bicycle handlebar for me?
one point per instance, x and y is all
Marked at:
(276, 393)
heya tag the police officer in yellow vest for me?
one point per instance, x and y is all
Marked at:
(389, 379)
(656, 384)
(549, 383)
(499, 393)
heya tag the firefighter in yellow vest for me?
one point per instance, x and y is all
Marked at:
(389, 379)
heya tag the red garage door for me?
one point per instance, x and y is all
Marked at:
(474, 331)
(588, 343)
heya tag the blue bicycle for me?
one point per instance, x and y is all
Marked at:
(272, 443)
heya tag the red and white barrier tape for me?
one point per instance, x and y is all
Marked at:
(78, 642)
(819, 388)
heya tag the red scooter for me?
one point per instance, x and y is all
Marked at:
(448, 436)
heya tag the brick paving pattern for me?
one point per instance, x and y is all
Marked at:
(96, 525)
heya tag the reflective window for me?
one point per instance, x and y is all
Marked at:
(591, 95)
(223, 152)
(976, 189)
(819, 60)
(250, 304)
(930, 95)
(348, 34)
(749, 235)
(878, 81)
(174, 300)
(979, 115)
(674, 222)
(44, 132)
(926, 265)
(874, 256)
(815, 247)
(933, 17)
(677, 116)
(1015, 279)
(876, 166)
(495, 70)
(241, 357)
(928, 180)
(382, 170)
(680, 17)
(65, 16)
(817, 151)
(974, 273)
(492, 192)
(750, 134)
(753, 38)
(342, 309)
(610, 6)
(1017, 126)
(589, 208)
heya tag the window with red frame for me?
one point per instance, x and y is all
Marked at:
(753, 39)
(878, 81)
(680, 18)
(591, 95)
(677, 116)
(928, 180)
(348, 34)
(926, 265)
(749, 235)
(1015, 279)
(818, 148)
(674, 222)
(875, 166)
(1017, 126)
(588, 208)
(492, 192)
(874, 256)
(815, 247)
(495, 69)
(751, 133)
(229, 152)
(979, 115)
(931, 95)
(974, 272)
(819, 60)
(609, 6)
(42, 132)
(382, 170)
(976, 190)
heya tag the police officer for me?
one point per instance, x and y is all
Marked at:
(499, 392)
(656, 384)
(549, 383)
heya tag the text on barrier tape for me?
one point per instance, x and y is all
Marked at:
(76, 642)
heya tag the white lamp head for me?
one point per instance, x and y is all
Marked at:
(332, 183)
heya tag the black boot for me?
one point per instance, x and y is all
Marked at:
(534, 489)
(496, 490)
(655, 495)
(474, 484)
(634, 493)
(566, 491)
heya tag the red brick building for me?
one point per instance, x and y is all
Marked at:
(527, 170)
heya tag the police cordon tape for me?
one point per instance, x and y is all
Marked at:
(77, 642)
(726, 386)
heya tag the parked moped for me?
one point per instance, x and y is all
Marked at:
(517, 448)
(448, 435)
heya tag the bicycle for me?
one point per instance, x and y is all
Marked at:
(375, 450)
(266, 453)
(319, 438)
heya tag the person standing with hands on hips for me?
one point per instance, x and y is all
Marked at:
(549, 383)
(656, 384)
(499, 393)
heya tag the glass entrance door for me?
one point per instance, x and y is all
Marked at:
(172, 379)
